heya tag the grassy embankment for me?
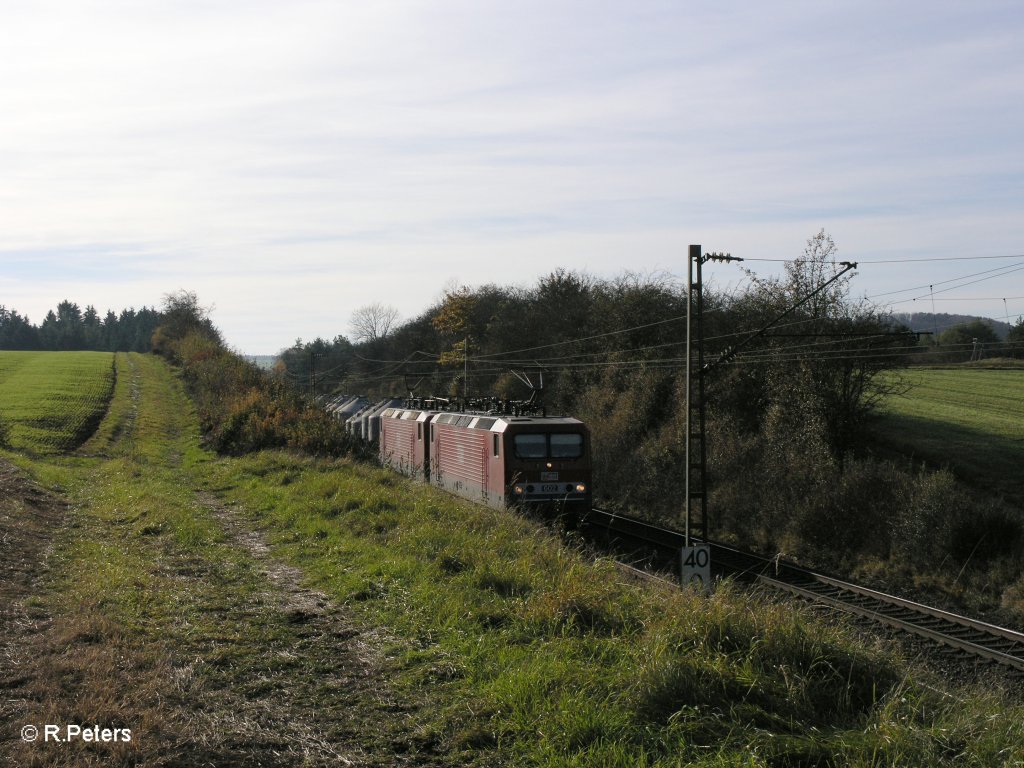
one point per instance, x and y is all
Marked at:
(445, 634)
(969, 419)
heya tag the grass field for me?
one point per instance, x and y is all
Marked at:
(285, 611)
(969, 419)
(53, 401)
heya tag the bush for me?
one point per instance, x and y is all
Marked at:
(851, 515)
(1013, 597)
(921, 527)
(252, 421)
(267, 415)
(977, 538)
(778, 490)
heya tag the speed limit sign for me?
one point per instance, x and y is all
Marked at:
(695, 568)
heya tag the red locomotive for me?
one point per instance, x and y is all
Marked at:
(496, 459)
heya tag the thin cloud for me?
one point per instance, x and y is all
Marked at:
(305, 154)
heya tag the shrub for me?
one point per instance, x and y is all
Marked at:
(852, 515)
(1013, 597)
(921, 527)
(985, 535)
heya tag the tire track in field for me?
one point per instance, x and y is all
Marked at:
(264, 671)
(29, 517)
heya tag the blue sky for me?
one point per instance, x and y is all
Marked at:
(291, 162)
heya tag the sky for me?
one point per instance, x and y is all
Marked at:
(292, 161)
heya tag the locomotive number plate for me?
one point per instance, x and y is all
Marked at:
(548, 476)
(552, 488)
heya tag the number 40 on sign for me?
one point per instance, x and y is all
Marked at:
(695, 568)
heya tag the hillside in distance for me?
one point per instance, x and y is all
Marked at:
(939, 322)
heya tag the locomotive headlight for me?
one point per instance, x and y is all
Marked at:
(518, 490)
(581, 488)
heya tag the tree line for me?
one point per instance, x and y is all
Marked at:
(975, 339)
(620, 342)
(69, 327)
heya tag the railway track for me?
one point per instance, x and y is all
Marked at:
(660, 546)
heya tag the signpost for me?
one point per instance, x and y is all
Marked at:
(695, 568)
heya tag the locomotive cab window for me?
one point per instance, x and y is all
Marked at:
(566, 445)
(531, 446)
(558, 445)
(496, 437)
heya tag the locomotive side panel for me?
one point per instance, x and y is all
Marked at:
(460, 463)
(402, 443)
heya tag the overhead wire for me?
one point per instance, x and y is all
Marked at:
(544, 360)
(790, 352)
(835, 339)
(973, 282)
(767, 353)
(563, 363)
(781, 357)
(900, 261)
(1001, 270)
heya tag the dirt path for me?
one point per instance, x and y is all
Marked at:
(299, 684)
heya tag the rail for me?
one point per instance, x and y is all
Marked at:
(661, 546)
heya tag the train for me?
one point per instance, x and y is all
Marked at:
(499, 453)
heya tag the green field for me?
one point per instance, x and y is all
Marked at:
(52, 401)
(969, 419)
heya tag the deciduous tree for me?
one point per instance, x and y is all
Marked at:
(373, 321)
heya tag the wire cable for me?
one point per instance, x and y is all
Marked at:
(899, 261)
(1001, 270)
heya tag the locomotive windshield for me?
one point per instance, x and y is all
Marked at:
(557, 445)
(566, 446)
